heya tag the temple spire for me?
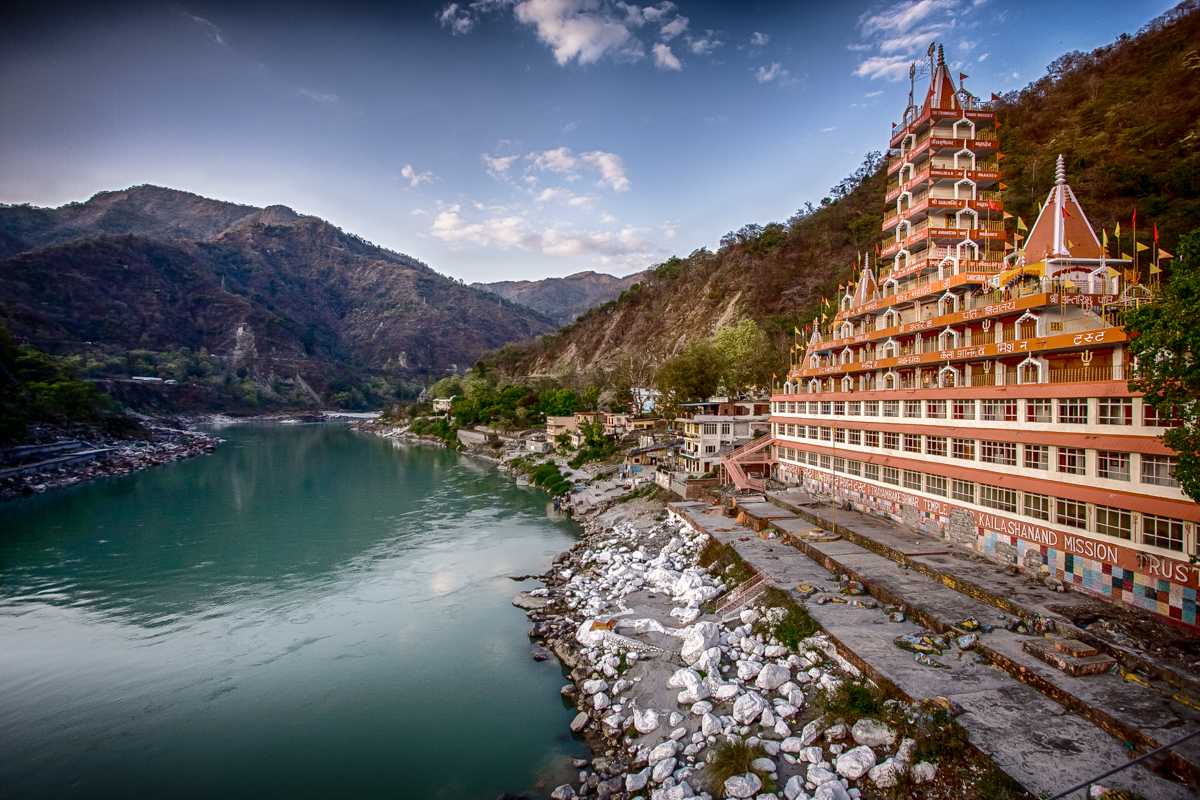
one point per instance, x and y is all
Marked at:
(1062, 229)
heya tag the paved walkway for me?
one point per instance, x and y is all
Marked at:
(1041, 743)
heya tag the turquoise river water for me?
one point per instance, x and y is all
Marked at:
(307, 612)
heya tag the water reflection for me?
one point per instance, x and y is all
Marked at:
(307, 611)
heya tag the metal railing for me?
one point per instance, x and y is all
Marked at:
(1086, 786)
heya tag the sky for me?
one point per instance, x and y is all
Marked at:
(498, 139)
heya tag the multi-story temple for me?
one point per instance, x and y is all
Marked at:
(974, 384)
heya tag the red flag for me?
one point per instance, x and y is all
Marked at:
(1156, 234)
(1135, 217)
(962, 76)
(1066, 214)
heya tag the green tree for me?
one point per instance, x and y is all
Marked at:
(693, 374)
(1165, 343)
(746, 356)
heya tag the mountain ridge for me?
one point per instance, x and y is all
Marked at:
(563, 299)
(267, 299)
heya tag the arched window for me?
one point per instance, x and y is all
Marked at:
(966, 212)
(966, 154)
(896, 265)
(1031, 370)
(814, 386)
(1027, 326)
(947, 303)
(814, 361)
(847, 384)
(948, 339)
(969, 190)
(970, 128)
(847, 355)
(891, 380)
(958, 249)
(948, 376)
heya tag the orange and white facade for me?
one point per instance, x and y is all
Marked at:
(984, 396)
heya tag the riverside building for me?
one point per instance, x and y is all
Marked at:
(980, 393)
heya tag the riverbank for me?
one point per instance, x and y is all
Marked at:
(58, 458)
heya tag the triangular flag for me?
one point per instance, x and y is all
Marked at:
(1003, 186)
(1000, 156)
(1156, 233)
(1126, 256)
(1164, 255)
(1021, 226)
(1039, 206)
(1104, 239)
(1141, 247)
(1007, 215)
(1154, 270)
(797, 331)
(1117, 231)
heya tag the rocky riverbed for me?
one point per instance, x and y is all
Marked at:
(155, 445)
(677, 701)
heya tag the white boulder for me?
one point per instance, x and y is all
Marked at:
(855, 763)
(742, 786)
(872, 733)
(748, 707)
(771, 677)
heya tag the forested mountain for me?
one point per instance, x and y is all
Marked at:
(268, 305)
(564, 299)
(1126, 116)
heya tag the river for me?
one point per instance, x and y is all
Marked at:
(307, 612)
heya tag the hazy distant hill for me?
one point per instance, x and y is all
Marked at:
(1126, 116)
(265, 301)
(564, 299)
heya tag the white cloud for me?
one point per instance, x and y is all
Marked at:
(830, 129)
(209, 27)
(570, 126)
(413, 177)
(566, 196)
(573, 29)
(902, 16)
(758, 39)
(770, 72)
(558, 160)
(611, 169)
(669, 230)
(324, 98)
(498, 166)
(665, 59)
(983, 58)
(674, 28)
(502, 231)
(906, 42)
(607, 218)
(704, 45)
(891, 68)
(581, 201)
(875, 93)
(456, 19)
(657, 12)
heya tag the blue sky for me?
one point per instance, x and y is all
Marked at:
(497, 139)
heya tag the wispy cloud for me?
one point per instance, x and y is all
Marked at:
(611, 168)
(830, 129)
(210, 28)
(673, 28)
(704, 45)
(498, 166)
(324, 98)
(894, 34)
(982, 58)
(770, 72)
(455, 18)
(759, 39)
(414, 177)
(665, 59)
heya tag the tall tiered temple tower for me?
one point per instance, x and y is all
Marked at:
(975, 385)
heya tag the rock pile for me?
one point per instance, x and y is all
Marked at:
(662, 687)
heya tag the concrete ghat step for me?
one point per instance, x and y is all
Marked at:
(984, 582)
(1126, 710)
(1061, 749)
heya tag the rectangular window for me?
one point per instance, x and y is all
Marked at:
(1037, 506)
(839, 435)
(1073, 411)
(1037, 456)
(935, 445)
(891, 475)
(1004, 453)
(1039, 411)
(1112, 465)
(1162, 532)
(824, 434)
(725, 429)
(964, 409)
(839, 464)
(998, 410)
(710, 429)
(1116, 411)
(826, 407)
(912, 443)
(964, 490)
(854, 436)
(1159, 418)
(935, 484)
(995, 497)
(812, 407)
(813, 458)
(964, 448)
(912, 408)
(854, 467)
(839, 408)
(812, 432)
(891, 440)
(912, 480)
(871, 438)
(871, 472)
(1070, 512)
(935, 409)
(891, 408)
(824, 461)
(870, 408)
(1159, 470)
(854, 408)
(1115, 522)
(1072, 460)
